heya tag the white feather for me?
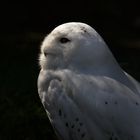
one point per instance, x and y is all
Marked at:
(83, 89)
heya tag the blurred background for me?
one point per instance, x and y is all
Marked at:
(23, 27)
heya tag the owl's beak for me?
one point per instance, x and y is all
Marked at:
(49, 53)
(52, 52)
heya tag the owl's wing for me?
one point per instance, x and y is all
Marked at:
(87, 107)
(134, 82)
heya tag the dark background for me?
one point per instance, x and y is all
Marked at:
(23, 26)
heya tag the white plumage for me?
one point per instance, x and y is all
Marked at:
(85, 93)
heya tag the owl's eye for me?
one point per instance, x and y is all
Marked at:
(64, 40)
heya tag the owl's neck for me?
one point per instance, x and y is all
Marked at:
(109, 68)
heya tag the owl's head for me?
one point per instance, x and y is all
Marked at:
(75, 46)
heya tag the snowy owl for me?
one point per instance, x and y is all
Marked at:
(86, 94)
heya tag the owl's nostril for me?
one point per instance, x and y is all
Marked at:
(45, 53)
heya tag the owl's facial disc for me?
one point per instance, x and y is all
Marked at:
(70, 46)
